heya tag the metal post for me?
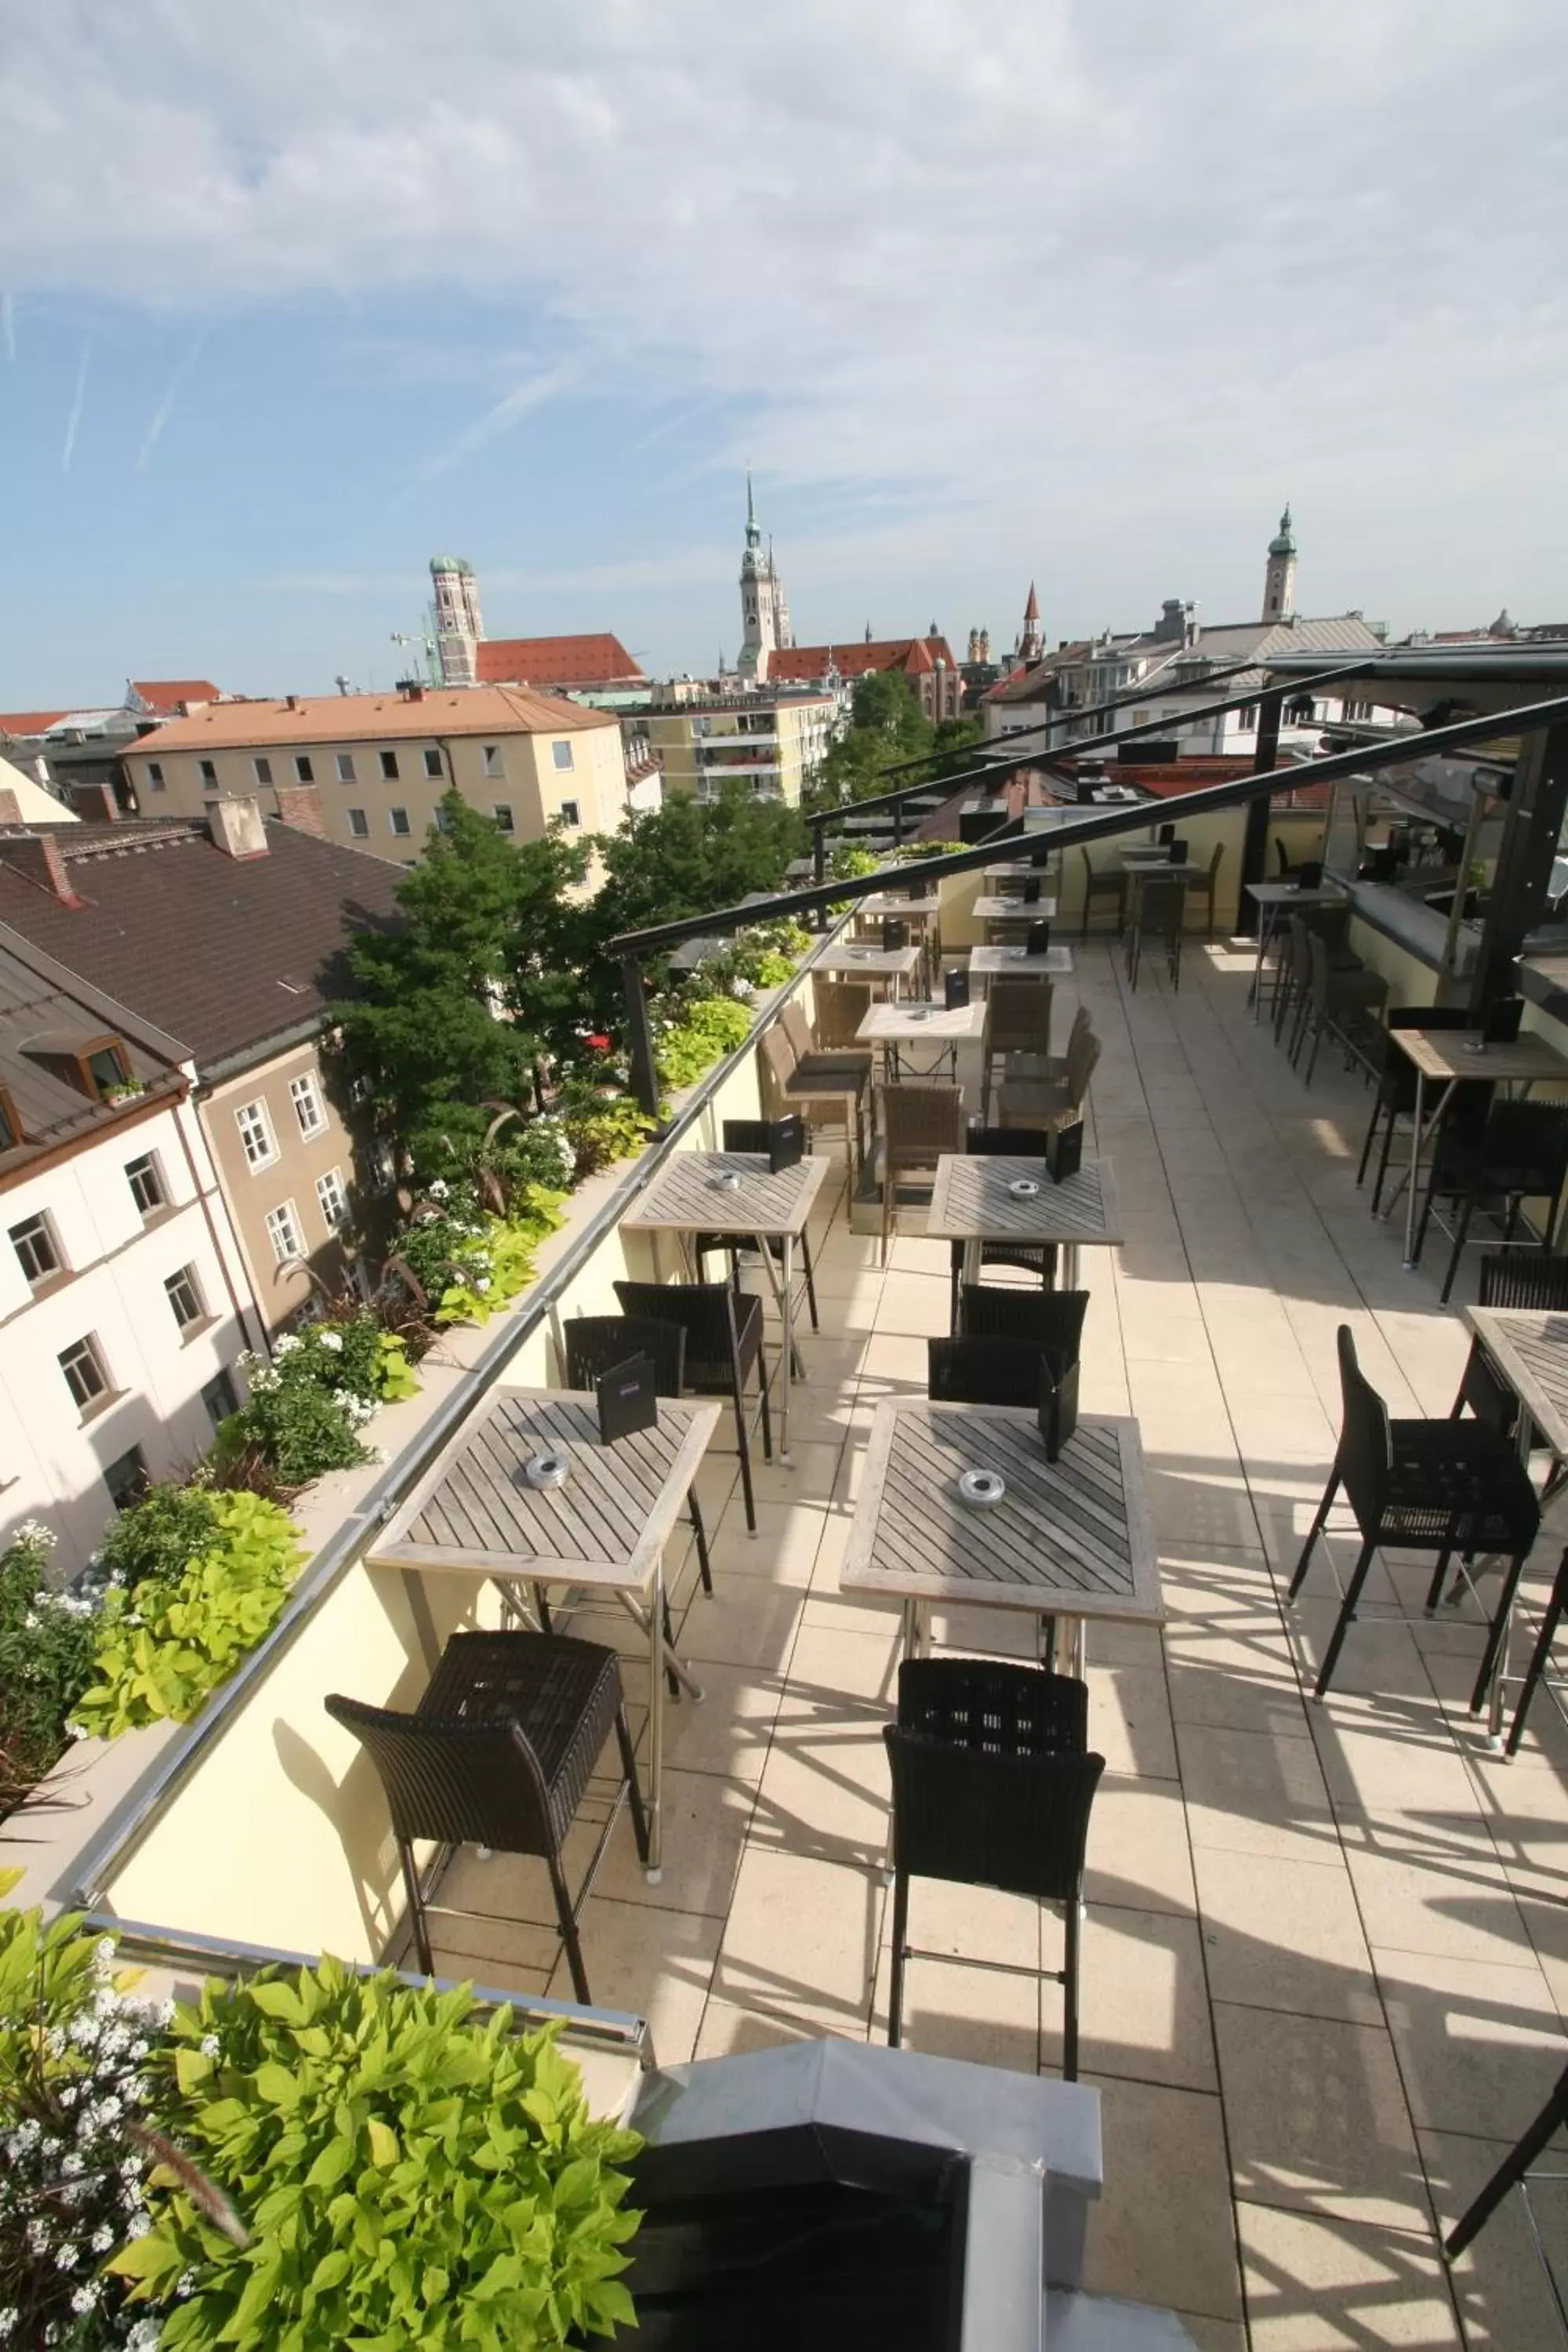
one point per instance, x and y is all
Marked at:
(819, 865)
(898, 824)
(1532, 822)
(1255, 839)
(639, 1037)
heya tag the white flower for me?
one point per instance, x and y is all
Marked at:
(66, 2256)
(186, 2285)
(439, 1189)
(139, 2225)
(35, 1531)
(102, 2239)
(332, 1341)
(481, 1282)
(143, 2336)
(287, 1344)
(86, 2295)
(211, 2045)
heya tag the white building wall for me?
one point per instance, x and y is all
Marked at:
(52, 1455)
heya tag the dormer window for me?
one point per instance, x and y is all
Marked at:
(10, 1122)
(96, 1065)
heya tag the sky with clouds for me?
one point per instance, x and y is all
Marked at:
(294, 298)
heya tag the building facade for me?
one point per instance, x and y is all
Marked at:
(772, 738)
(765, 629)
(596, 662)
(376, 765)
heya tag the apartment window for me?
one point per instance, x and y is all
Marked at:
(389, 763)
(256, 1133)
(433, 761)
(220, 1399)
(209, 772)
(359, 824)
(155, 776)
(107, 1067)
(562, 754)
(145, 1179)
(492, 760)
(306, 1097)
(304, 773)
(442, 821)
(333, 1195)
(283, 1233)
(1246, 721)
(263, 771)
(183, 1293)
(505, 821)
(127, 1479)
(345, 765)
(570, 813)
(86, 1376)
(398, 820)
(37, 1249)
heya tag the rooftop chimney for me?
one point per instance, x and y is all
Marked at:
(412, 690)
(36, 856)
(236, 827)
(294, 701)
(299, 805)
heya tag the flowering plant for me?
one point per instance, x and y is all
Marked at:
(689, 1035)
(470, 1262)
(47, 1640)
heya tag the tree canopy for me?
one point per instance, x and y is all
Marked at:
(887, 729)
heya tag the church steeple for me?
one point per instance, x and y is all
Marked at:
(1280, 574)
(760, 598)
(1031, 644)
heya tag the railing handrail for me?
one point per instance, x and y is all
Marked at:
(1101, 823)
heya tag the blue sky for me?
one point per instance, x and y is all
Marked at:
(293, 300)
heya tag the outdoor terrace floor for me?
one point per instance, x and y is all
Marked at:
(1326, 1960)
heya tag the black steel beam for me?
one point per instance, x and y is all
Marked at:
(1521, 883)
(1104, 823)
(1255, 840)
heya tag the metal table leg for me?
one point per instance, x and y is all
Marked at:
(1415, 1170)
(786, 1315)
(1265, 933)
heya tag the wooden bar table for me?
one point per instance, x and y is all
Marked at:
(984, 1197)
(603, 1527)
(1271, 899)
(1443, 1059)
(736, 1193)
(1529, 1346)
(860, 959)
(1017, 963)
(937, 1025)
(1004, 915)
(1068, 1540)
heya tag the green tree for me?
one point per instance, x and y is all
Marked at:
(887, 729)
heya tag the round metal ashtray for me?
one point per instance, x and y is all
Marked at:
(1024, 1188)
(729, 1182)
(982, 1487)
(547, 1470)
(920, 1013)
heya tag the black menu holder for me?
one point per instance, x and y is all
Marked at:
(1180, 851)
(1059, 1404)
(917, 888)
(1041, 859)
(1064, 1152)
(1037, 939)
(1167, 833)
(1309, 874)
(1503, 1020)
(956, 988)
(627, 1398)
(1032, 892)
(786, 1141)
(895, 934)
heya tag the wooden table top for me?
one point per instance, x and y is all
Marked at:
(1020, 869)
(863, 958)
(1013, 910)
(1071, 1538)
(1284, 894)
(476, 1514)
(915, 1024)
(971, 1201)
(890, 902)
(1000, 962)
(1464, 1053)
(689, 1195)
(1529, 1349)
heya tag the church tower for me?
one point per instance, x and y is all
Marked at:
(1280, 576)
(759, 624)
(459, 625)
(1032, 644)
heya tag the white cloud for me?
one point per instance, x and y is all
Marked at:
(1053, 276)
(78, 398)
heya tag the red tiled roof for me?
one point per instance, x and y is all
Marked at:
(854, 660)
(164, 695)
(554, 661)
(28, 722)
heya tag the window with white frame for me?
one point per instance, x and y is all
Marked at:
(256, 1133)
(359, 825)
(183, 1293)
(304, 773)
(145, 1179)
(570, 813)
(433, 760)
(86, 1373)
(562, 754)
(505, 821)
(283, 1232)
(37, 1251)
(397, 819)
(389, 763)
(346, 768)
(308, 1108)
(333, 1196)
(263, 769)
(492, 760)
(155, 776)
(209, 772)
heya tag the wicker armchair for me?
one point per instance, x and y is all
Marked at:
(1159, 910)
(1100, 884)
(919, 1124)
(1017, 1020)
(1048, 1102)
(827, 1090)
(595, 1344)
(993, 1785)
(840, 1006)
(499, 1753)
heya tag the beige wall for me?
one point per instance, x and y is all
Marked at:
(528, 782)
(252, 1193)
(798, 734)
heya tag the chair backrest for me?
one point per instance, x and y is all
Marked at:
(1018, 1016)
(841, 1006)
(987, 1371)
(595, 1344)
(775, 1068)
(1005, 1143)
(1366, 1455)
(454, 1783)
(1281, 854)
(1105, 876)
(1161, 907)
(1082, 1019)
(1082, 1060)
(991, 1703)
(1525, 1147)
(1215, 863)
(1522, 1279)
(922, 1118)
(704, 1310)
(797, 1029)
(1318, 969)
(1052, 1319)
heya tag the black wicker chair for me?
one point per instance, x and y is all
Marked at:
(595, 1344)
(1102, 883)
(984, 1371)
(755, 1135)
(1511, 1278)
(993, 1785)
(1423, 1485)
(1521, 1154)
(1050, 1321)
(499, 1753)
(1005, 1143)
(1540, 1656)
(723, 1331)
(1395, 1096)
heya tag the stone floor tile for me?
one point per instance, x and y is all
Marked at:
(1129, 1721)
(953, 2011)
(783, 1548)
(726, 1732)
(1138, 1855)
(825, 1788)
(1255, 1793)
(746, 1621)
(801, 1941)
(705, 1824)
(730, 2032)
(1143, 2012)
(663, 1979)
(1164, 2230)
(1480, 2046)
(1403, 1762)
(1423, 1888)
(831, 1664)
(1505, 2301)
(1284, 1935)
(1316, 2118)
(1317, 2284)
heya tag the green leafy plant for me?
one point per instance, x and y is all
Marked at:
(697, 1032)
(469, 1263)
(292, 1429)
(47, 1643)
(411, 2175)
(394, 1375)
(603, 1126)
(180, 1631)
